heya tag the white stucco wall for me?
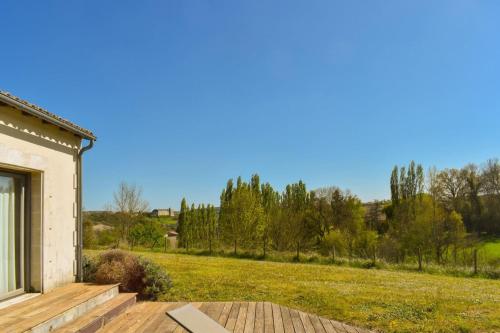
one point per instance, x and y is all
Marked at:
(49, 154)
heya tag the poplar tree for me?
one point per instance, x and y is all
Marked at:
(270, 207)
(212, 226)
(181, 223)
(395, 186)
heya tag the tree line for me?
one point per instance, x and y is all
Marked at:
(431, 216)
(256, 216)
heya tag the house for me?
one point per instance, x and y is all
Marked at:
(163, 212)
(40, 198)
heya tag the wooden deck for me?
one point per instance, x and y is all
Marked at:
(33, 314)
(87, 308)
(241, 317)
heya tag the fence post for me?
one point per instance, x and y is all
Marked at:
(475, 261)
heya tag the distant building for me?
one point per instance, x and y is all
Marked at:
(163, 212)
(172, 233)
(171, 239)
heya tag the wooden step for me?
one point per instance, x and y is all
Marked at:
(95, 319)
(54, 309)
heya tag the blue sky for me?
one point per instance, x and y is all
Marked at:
(186, 94)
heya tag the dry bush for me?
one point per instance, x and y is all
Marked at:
(117, 266)
(134, 274)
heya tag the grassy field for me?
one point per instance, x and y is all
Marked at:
(385, 300)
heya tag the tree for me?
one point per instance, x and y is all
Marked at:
(395, 186)
(325, 192)
(128, 203)
(212, 226)
(153, 233)
(352, 223)
(491, 177)
(270, 207)
(474, 186)
(88, 234)
(136, 235)
(420, 231)
(181, 224)
(373, 217)
(333, 243)
(452, 187)
(367, 242)
(490, 220)
(296, 203)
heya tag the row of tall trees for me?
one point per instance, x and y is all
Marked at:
(197, 226)
(256, 216)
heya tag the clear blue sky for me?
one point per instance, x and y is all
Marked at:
(185, 94)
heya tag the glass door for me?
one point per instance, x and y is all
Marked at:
(12, 188)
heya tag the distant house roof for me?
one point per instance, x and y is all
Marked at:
(172, 234)
(36, 111)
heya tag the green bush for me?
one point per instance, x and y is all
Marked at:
(156, 280)
(89, 268)
(133, 273)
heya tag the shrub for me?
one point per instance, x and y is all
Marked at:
(89, 269)
(134, 274)
(116, 266)
(156, 280)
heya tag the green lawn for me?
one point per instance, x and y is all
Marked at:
(166, 220)
(380, 299)
(491, 249)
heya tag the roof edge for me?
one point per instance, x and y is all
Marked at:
(45, 115)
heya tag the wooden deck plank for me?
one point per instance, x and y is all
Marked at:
(259, 318)
(277, 319)
(268, 318)
(239, 327)
(34, 313)
(47, 301)
(327, 325)
(128, 319)
(349, 329)
(233, 315)
(140, 320)
(250, 320)
(167, 325)
(296, 321)
(155, 320)
(338, 326)
(306, 322)
(318, 326)
(214, 310)
(287, 320)
(225, 313)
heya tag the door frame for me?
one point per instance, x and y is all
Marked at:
(25, 230)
